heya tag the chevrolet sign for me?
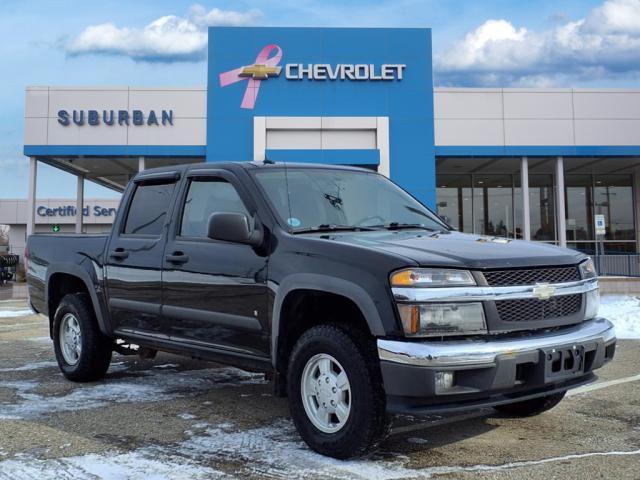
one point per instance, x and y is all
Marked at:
(344, 71)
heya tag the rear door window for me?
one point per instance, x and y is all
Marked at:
(148, 209)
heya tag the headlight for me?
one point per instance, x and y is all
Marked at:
(442, 319)
(588, 269)
(431, 277)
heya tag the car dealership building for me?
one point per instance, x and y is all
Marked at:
(526, 163)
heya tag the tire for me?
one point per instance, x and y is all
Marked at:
(529, 408)
(367, 422)
(95, 349)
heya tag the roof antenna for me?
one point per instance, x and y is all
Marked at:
(266, 161)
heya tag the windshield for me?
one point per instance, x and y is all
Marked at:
(321, 198)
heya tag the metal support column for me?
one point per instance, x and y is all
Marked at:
(141, 164)
(80, 204)
(526, 214)
(561, 214)
(31, 201)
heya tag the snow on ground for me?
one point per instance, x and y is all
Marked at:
(273, 451)
(15, 313)
(624, 312)
(145, 386)
(30, 366)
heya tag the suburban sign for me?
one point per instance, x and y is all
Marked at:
(113, 117)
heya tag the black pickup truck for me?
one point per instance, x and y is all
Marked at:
(357, 300)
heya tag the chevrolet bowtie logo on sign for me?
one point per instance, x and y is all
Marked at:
(544, 291)
(267, 63)
(260, 72)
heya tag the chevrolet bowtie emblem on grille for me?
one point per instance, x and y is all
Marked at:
(544, 291)
(260, 72)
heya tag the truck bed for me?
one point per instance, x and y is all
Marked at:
(65, 252)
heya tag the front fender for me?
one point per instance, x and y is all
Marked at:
(328, 284)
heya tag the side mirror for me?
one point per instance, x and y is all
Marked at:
(233, 227)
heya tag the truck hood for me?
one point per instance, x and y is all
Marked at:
(454, 249)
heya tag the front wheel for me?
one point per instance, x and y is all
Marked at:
(335, 391)
(82, 351)
(529, 408)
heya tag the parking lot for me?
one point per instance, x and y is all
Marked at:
(172, 417)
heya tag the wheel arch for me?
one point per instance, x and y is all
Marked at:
(298, 284)
(65, 279)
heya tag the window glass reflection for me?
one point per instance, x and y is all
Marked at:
(613, 198)
(578, 194)
(541, 207)
(493, 205)
(454, 201)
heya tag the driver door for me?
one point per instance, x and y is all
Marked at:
(214, 292)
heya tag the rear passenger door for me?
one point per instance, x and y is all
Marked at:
(135, 253)
(214, 292)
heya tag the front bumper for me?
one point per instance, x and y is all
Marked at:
(493, 371)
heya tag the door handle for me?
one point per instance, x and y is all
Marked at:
(119, 254)
(177, 257)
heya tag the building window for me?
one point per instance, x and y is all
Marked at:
(613, 197)
(491, 204)
(542, 208)
(608, 195)
(454, 201)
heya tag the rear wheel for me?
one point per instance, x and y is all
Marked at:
(82, 351)
(335, 392)
(529, 408)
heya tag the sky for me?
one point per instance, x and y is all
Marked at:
(489, 43)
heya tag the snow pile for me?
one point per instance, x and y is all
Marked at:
(624, 312)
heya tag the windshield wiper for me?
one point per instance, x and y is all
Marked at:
(326, 227)
(400, 226)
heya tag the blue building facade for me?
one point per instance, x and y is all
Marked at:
(326, 73)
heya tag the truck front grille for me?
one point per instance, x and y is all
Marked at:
(531, 276)
(532, 309)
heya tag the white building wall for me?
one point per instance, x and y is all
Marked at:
(537, 117)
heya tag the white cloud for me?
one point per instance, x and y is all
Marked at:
(168, 39)
(606, 43)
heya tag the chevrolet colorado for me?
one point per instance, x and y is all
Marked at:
(356, 299)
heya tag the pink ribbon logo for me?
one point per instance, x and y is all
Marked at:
(263, 68)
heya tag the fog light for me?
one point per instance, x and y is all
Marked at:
(444, 381)
(592, 304)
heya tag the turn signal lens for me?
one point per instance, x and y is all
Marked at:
(431, 277)
(442, 319)
(592, 304)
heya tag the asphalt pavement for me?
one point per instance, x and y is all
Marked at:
(177, 418)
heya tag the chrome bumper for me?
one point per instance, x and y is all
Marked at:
(484, 352)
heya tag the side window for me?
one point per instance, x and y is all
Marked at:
(207, 196)
(148, 209)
